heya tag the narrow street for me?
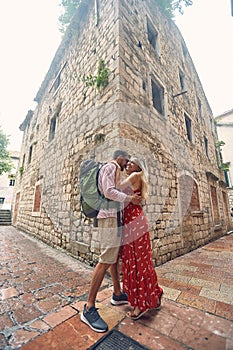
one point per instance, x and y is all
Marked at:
(42, 291)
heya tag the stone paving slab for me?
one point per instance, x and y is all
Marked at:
(43, 290)
(37, 285)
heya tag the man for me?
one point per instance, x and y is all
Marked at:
(110, 240)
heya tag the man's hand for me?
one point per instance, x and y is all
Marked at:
(136, 199)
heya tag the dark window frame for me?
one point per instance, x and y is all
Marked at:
(152, 34)
(57, 80)
(30, 154)
(189, 129)
(52, 127)
(206, 143)
(182, 80)
(157, 91)
(12, 182)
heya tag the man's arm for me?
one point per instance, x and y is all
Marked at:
(109, 189)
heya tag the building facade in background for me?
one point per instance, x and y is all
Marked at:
(225, 131)
(152, 105)
(7, 183)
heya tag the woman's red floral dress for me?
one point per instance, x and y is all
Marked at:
(139, 276)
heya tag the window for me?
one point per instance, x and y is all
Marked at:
(212, 124)
(12, 182)
(53, 121)
(214, 199)
(144, 85)
(30, 155)
(206, 143)
(188, 123)
(184, 49)
(189, 194)
(37, 198)
(226, 203)
(152, 35)
(182, 81)
(2, 200)
(23, 162)
(52, 129)
(200, 108)
(227, 180)
(57, 80)
(157, 96)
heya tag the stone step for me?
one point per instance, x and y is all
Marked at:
(5, 217)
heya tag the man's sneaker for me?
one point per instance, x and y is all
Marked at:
(93, 319)
(119, 299)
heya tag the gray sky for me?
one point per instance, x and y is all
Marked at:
(29, 38)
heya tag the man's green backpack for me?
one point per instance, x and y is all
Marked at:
(90, 197)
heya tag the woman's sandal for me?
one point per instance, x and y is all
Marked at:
(135, 316)
(158, 307)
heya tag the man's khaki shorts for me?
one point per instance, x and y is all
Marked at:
(110, 241)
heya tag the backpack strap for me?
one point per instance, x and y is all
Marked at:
(118, 205)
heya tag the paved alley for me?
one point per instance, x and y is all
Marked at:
(43, 290)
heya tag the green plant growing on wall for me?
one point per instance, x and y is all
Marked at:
(21, 169)
(223, 166)
(219, 144)
(69, 7)
(101, 79)
(5, 161)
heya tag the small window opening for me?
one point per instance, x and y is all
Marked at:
(158, 96)
(188, 123)
(184, 49)
(200, 108)
(37, 198)
(12, 182)
(30, 155)
(206, 146)
(152, 34)
(52, 129)
(182, 81)
(144, 85)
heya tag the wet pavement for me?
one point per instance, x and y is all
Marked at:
(43, 290)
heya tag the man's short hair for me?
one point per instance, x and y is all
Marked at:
(118, 153)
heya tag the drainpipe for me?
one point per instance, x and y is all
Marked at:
(96, 13)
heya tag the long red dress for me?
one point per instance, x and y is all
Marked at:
(139, 276)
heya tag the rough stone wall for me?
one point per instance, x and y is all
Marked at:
(74, 121)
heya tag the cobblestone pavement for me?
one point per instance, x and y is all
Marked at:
(42, 291)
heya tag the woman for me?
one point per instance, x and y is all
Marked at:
(139, 276)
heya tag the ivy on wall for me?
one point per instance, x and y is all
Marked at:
(99, 80)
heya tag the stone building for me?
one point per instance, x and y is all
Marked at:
(224, 124)
(152, 105)
(7, 183)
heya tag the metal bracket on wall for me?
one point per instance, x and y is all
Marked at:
(181, 93)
